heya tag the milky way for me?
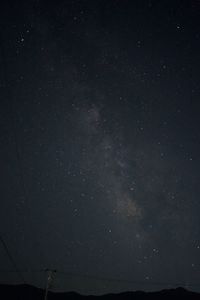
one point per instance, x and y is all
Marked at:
(100, 144)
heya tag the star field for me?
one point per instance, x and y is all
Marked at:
(100, 143)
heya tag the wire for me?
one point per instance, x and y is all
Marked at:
(4, 70)
(126, 281)
(12, 118)
(110, 279)
(12, 259)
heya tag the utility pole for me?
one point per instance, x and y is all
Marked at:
(50, 277)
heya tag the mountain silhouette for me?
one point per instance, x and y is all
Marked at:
(28, 292)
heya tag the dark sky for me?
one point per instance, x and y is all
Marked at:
(100, 143)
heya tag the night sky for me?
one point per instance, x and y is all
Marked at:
(100, 143)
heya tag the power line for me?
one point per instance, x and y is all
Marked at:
(12, 118)
(11, 259)
(110, 279)
(9, 95)
(23, 271)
